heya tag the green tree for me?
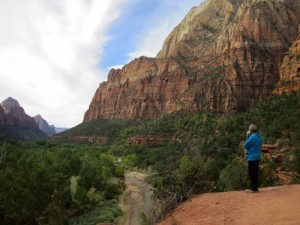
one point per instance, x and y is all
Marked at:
(199, 174)
(29, 184)
(81, 195)
(130, 160)
(88, 174)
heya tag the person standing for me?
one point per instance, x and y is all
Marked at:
(253, 146)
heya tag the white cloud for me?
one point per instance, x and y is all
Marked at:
(49, 52)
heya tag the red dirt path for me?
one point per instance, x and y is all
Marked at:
(271, 206)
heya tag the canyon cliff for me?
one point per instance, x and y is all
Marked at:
(44, 126)
(15, 114)
(16, 124)
(290, 70)
(224, 56)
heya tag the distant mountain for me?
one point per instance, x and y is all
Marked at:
(60, 129)
(15, 124)
(15, 114)
(44, 126)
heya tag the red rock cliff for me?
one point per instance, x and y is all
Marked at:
(290, 70)
(224, 56)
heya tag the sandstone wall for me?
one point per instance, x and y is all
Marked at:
(290, 70)
(224, 56)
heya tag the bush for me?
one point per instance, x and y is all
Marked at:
(234, 176)
(199, 174)
(130, 160)
(104, 212)
(296, 161)
(111, 191)
(268, 173)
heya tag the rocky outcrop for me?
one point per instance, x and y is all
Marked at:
(82, 139)
(44, 126)
(16, 124)
(137, 91)
(224, 56)
(290, 70)
(145, 140)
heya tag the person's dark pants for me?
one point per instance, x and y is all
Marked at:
(253, 169)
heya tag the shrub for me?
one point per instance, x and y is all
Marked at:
(268, 173)
(234, 176)
(104, 212)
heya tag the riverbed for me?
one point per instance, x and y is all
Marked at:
(136, 201)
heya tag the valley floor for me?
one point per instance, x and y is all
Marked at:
(273, 205)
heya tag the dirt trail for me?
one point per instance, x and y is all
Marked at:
(271, 206)
(136, 199)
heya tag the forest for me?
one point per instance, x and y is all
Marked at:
(46, 183)
(61, 182)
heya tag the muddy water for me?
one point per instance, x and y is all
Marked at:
(136, 199)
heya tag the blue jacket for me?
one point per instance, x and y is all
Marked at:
(253, 145)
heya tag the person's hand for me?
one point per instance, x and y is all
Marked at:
(248, 134)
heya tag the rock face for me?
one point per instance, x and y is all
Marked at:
(44, 126)
(145, 140)
(290, 70)
(2, 116)
(16, 124)
(82, 139)
(224, 56)
(15, 114)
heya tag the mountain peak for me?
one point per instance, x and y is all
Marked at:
(44, 126)
(38, 116)
(10, 102)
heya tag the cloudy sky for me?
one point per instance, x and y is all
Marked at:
(54, 53)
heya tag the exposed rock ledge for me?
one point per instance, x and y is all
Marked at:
(88, 139)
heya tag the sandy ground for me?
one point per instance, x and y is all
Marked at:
(136, 199)
(271, 206)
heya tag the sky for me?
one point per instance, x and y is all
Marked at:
(55, 53)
